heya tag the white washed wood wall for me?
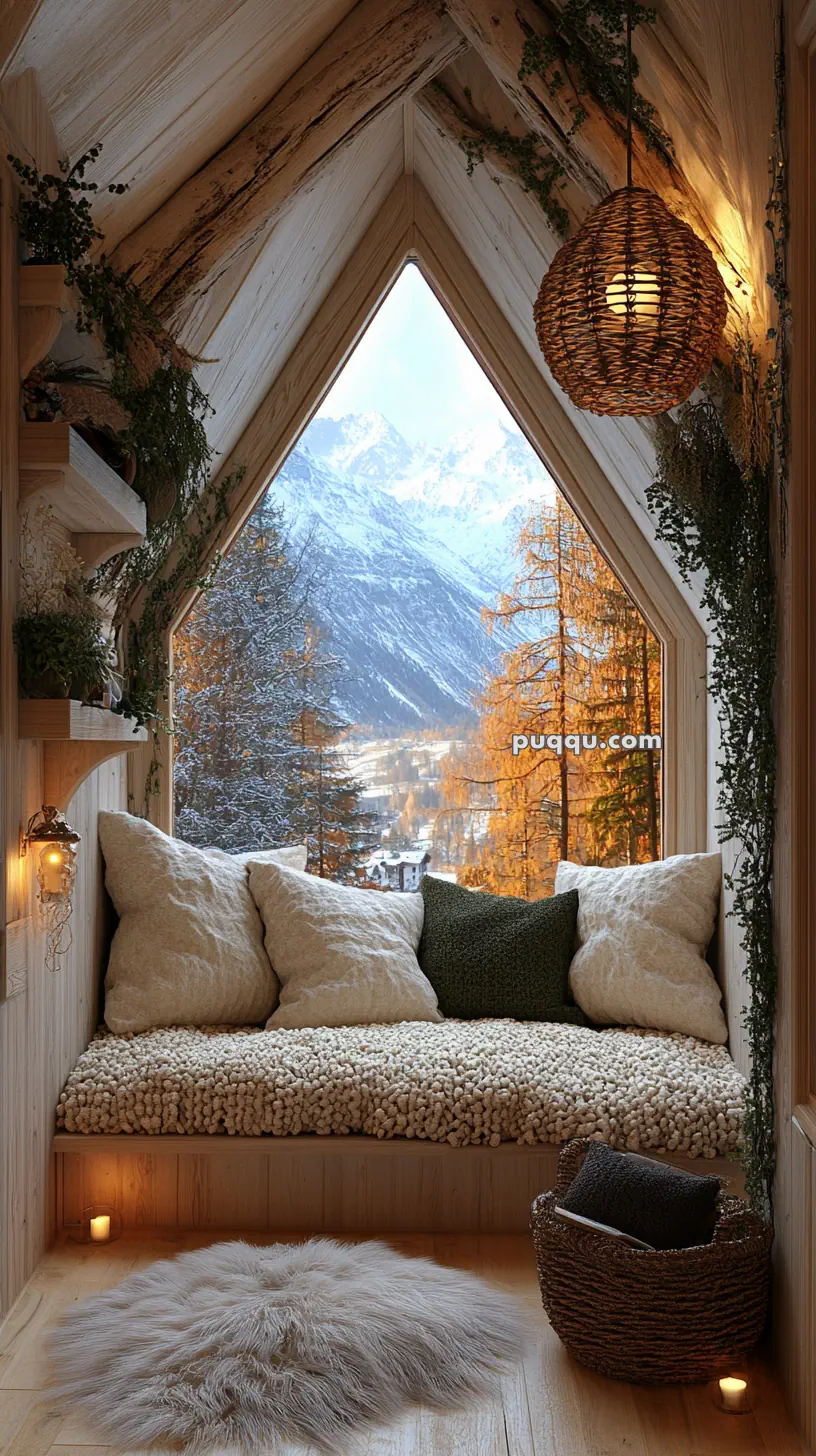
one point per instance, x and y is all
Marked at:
(45, 1026)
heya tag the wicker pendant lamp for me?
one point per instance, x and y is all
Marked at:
(631, 311)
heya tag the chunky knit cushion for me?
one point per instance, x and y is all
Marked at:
(642, 936)
(663, 1206)
(189, 944)
(495, 955)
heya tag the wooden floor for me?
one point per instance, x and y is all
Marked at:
(551, 1407)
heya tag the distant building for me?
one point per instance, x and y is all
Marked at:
(402, 869)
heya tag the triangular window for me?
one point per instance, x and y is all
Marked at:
(411, 646)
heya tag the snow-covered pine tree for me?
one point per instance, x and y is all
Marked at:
(249, 671)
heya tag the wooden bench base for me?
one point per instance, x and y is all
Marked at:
(331, 1184)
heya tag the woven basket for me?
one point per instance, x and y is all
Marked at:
(676, 1316)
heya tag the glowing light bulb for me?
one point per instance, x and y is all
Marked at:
(53, 861)
(636, 294)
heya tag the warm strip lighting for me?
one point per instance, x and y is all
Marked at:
(101, 1227)
(636, 293)
(734, 1394)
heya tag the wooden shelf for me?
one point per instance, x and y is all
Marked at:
(76, 739)
(103, 514)
(65, 719)
(44, 303)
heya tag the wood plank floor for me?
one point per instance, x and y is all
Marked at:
(550, 1407)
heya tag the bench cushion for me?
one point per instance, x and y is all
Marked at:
(457, 1081)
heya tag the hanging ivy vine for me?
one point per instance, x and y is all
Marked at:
(583, 53)
(163, 410)
(146, 670)
(718, 464)
(711, 496)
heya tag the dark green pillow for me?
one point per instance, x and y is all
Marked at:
(498, 956)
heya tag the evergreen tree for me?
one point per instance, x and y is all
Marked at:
(257, 760)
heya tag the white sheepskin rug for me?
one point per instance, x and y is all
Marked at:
(250, 1348)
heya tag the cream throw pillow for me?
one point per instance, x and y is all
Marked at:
(642, 934)
(189, 945)
(344, 957)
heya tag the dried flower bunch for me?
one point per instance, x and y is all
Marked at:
(52, 577)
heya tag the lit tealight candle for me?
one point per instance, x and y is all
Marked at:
(734, 1394)
(100, 1229)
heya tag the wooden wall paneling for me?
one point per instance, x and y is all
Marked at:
(43, 1030)
(15, 20)
(739, 45)
(229, 1191)
(794, 1323)
(312, 1184)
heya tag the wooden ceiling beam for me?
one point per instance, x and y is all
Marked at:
(594, 156)
(381, 53)
(452, 122)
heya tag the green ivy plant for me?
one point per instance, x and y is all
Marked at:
(539, 171)
(151, 375)
(584, 50)
(146, 667)
(54, 215)
(711, 497)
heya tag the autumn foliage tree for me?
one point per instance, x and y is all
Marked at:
(584, 663)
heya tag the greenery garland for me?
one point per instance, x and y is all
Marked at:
(711, 496)
(151, 376)
(717, 465)
(145, 659)
(584, 51)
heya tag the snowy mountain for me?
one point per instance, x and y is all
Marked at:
(411, 543)
(472, 494)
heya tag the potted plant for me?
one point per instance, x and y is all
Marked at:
(63, 650)
(54, 215)
(81, 397)
(151, 374)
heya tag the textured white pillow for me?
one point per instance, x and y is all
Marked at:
(189, 945)
(344, 957)
(642, 934)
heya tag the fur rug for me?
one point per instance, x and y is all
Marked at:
(249, 1348)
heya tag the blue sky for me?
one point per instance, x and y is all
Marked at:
(412, 367)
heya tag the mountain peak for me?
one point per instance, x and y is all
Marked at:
(364, 444)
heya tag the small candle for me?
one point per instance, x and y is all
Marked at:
(100, 1230)
(733, 1393)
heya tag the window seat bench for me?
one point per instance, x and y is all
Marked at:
(450, 1126)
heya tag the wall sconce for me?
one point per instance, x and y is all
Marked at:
(56, 875)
